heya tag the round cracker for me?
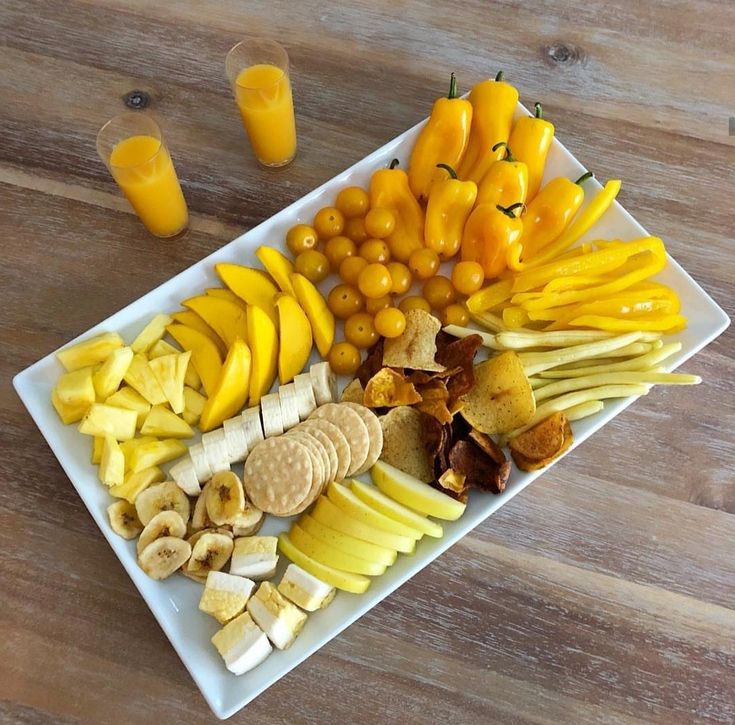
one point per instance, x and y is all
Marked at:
(336, 439)
(375, 432)
(278, 475)
(315, 451)
(351, 425)
(319, 448)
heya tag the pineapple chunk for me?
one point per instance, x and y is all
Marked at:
(131, 400)
(97, 444)
(134, 483)
(129, 446)
(170, 371)
(67, 413)
(151, 333)
(155, 453)
(194, 403)
(163, 423)
(112, 464)
(102, 420)
(108, 378)
(90, 352)
(73, 395)
(162, 348)
(141, 377)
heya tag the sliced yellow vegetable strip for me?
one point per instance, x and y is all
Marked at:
(491, 296)
(561, 284)
(488, 320)
(488, 340)
(584, 410)
(521, 339)
(663, 323)
(515, 317)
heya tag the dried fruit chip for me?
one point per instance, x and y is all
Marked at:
(488, 445)
(403, 442)
(458, 355)
(388, 388)
(416, 346)
(480, 470)
(454, 483)
(372, 363)
(434, 396)
(543, 443)
(353, 393)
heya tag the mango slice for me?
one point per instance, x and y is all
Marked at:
(204, 354)
(251, 285)
(279, 267)
(191, 319)
(315, 307)
(264, 348)
(295, 338)
(226, 318)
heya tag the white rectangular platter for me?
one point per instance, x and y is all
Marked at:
(174, 602)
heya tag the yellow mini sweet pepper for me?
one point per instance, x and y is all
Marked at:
(493, 104)
(505, 182)
(389, 188)
(488, 234)
(449, 206)
(442, 140)
(530, 140)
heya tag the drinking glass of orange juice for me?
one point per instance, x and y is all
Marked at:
(258, 72)
(132, 147)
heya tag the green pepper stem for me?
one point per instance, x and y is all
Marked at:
(499, 77)
(509, 210)
(453, 88)
(448, 169)
(584, 177)
(539, 110)
(394, 163)
(508, 154)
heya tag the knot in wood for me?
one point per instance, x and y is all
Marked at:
(563, 54)
(136, 99)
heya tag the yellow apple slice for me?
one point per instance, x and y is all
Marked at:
(226, 294)
(90, 352)
(251, 285)
(345, 500)
(325, 512)
(226, 318)
(191, 319)
(279, 267)
(325, 554)
(319, 314)
(204, 354)
(415, 494)
(295, 338)
(231, 393)
(264, 348)
(387, 506)
(346, 581)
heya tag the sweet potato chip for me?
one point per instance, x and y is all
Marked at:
(435, 437)
(404, 442)
(551, 437)
(434, 396)
(416, 346)
(488, 445)
(387, 389)
(458, 355)
(353, 393)
(479, 469)
(371, 364)
(454, 483)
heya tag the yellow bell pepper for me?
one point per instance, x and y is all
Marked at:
(660, 323)
(442, 140)
(389, 188)
(493, 106)
(488, 233)
(530, 140)
(449, 206)
(506, 181)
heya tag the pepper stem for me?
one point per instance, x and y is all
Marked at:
(539, 110)
(508, 154)
(499, 77)
(509, 210)
(448, 169)
(393, 164)
(453, 88)
(584, 177)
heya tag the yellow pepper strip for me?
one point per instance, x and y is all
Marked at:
(515, 317)
(490, 296)
(488, 233)
(449, 206)
(530, 140)
(573, 282)
(662, 323)
(389, 188)
(550, 212)
(493, 106)
(442, 140)
(505, 182)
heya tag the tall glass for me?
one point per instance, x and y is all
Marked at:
(132, 147)
(258, 73)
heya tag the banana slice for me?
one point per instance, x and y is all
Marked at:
(235, 440)
(225, 497)
(164, 556)
(248, 522)
(215, 449)
(198, 578)
(212, 530)
(270, 412)
(166, 496)
(211, 552)
(199, 518)
(165, 523)
(199, 459)
(324, 383)
(185, 475)
(124, 519)
(252, 426)
(304, 395)
(289, 405)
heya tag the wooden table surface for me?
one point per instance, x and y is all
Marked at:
(603, 593)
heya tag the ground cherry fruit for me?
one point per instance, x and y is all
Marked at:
(355, 230)
(329, 222)
(344, 300)
(350, 268)
(300, 238)
(375, 250)
(467, 277)
(438, 292)
(353, 201)
(455, 314)
(344, 358)
(375, 281)
(401, 277)
(360, 330)
(414, 302)
(380, 222)
(339, 248)
(313, 265)
(424, 263)
(374, 306)
(390, 322)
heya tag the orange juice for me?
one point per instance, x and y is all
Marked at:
(142, 167)
(263, 95)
